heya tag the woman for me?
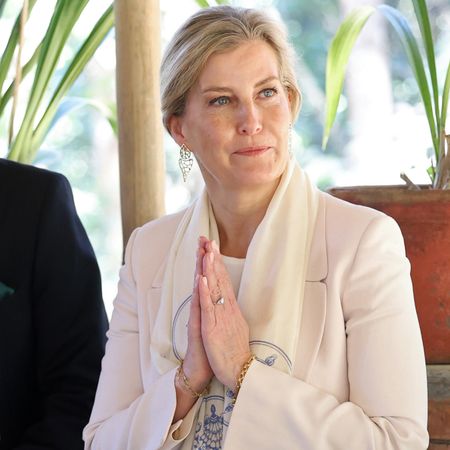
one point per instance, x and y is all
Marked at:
(300, 329)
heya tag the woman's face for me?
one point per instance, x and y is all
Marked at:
(236, 120)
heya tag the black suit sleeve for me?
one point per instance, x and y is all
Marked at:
(70, 324)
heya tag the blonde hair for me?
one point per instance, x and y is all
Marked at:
(218, 29)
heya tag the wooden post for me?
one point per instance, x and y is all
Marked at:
(141, 156)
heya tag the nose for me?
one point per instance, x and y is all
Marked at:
(249, 122)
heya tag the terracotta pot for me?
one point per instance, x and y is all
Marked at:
(424, 218)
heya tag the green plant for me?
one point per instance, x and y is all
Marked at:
(206, 3)
(436, 113)
(39, 116)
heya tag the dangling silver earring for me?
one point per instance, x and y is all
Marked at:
(290, 141)
(185, 161)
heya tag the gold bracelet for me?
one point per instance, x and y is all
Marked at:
(187, 385)
(241, 376)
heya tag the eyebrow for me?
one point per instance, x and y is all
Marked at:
(226, 89)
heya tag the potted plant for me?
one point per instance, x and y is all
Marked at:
(41, 114)
(423, 212)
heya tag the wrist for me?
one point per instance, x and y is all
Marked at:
(195, 388)
(239, 379)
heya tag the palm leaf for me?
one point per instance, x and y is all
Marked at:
(337, 60)
(341, 47)
(411, 48)
(65, 15)
(25, 71)
(2, 5)
(423, 19)
(82, 57)
(445, 95)
(8, 52)
(203, 3)
(71, 104)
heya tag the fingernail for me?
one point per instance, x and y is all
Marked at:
(215, 246)
(205, 281)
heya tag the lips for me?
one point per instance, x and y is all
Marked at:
(252, 151)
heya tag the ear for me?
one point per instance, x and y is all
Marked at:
(289, 96)
(294, 101)
(176, 129)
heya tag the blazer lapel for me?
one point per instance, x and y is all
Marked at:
(314, 304)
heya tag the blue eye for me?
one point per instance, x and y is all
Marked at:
(219, 101)
(270, 92)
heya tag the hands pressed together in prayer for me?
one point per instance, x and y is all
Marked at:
(218, 335)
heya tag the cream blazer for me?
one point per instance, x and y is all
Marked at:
(359, 376)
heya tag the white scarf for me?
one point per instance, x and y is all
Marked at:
(270, 294)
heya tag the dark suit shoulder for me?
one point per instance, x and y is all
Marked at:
(54, 327)
(13, 169)
(20, 181)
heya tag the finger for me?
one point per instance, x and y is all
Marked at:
(194, 310)
(208, 317)
(195, 302)
(222, 275)
(214, 246)
(202, 242)
(209, 273)
(198, 274)
(199, 261)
